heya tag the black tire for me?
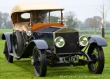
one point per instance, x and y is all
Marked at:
(18, 42)
(8, 57)
(39, 62)
(96, 54)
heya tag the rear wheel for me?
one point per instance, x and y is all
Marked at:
(96, 54)
(8, 57)
(39, 62)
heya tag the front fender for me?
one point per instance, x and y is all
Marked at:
(40, 44)
(8, 37)
(100, 41)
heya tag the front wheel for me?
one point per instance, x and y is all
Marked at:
(8, 57)
(96, 54)
(39, 62)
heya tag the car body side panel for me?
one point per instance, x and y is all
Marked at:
(99, 40)
(8, 37)
(41, 44)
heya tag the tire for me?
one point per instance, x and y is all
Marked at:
(39, 62)
(18, 43)
(96, 54)
(8, 57)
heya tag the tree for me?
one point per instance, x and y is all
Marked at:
(107, 25)
(5, 21)
(104, 14)
(79, 25)
(54, 19)
(71, 21)
(94, 22)
(0, 19)
(88, 22)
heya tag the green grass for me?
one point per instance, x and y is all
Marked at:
(92, 32)
(22, 69)
(5, 30)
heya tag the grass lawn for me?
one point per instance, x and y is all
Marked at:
(5, 30)
(22, 69)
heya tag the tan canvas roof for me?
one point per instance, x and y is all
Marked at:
(22, 7)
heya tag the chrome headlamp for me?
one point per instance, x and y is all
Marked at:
(28, 33)
(59, 41)
(83, 40)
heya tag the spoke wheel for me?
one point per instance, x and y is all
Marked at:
(8, 57)
(97, 56)
(39, 62)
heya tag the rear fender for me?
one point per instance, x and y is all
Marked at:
(8, 38)
(100, 41)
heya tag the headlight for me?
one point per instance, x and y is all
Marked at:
(83, 40)
(28, 33)
(59, 41)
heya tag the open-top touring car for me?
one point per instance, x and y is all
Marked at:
(49, 43)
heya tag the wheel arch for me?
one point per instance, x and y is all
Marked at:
(100, 41)
(40, 44)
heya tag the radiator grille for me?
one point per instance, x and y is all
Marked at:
(71, 42)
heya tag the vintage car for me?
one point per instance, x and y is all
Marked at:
(49, 43)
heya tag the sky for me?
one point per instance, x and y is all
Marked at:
(83, 9)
